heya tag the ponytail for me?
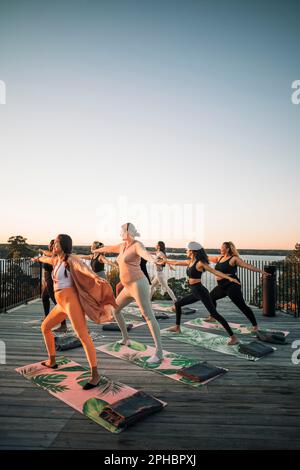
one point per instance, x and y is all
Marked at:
(67, 266)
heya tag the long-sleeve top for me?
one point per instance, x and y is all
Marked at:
(129, 261)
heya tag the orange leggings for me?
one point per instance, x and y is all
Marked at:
(68, 306)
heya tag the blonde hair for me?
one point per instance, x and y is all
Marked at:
(231, 248)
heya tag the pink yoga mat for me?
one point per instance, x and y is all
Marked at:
(65, 383)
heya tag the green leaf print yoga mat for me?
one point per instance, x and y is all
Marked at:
(138, 353)
(65, 383)
(207, 341)
(237, 328)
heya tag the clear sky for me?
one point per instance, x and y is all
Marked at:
(168, 104)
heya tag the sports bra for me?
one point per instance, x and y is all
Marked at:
(96, 265)
(226, 268)
(192, 272)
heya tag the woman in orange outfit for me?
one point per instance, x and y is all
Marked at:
(78, 291)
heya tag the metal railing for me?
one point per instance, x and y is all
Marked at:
(287, 283)
(20, 282)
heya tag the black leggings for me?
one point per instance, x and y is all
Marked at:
(199, 292)
(47, 294)
(234, 292)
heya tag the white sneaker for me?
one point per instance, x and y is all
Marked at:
(154, 359)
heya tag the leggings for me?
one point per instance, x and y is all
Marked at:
(199, 292)
(161, 278)
(68, 305)
(47, 294)
(234, 292)
(140, 292)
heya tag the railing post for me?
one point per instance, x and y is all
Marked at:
(269, 291)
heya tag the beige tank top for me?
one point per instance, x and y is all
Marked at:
(129, 264)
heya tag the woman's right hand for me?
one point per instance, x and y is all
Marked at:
(232, 279)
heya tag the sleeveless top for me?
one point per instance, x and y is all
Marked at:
(192, 272)
(226, 268)
(96, 265)
(62, 278)
(129, 264)
(160, 267)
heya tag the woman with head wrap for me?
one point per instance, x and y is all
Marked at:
(136, 285)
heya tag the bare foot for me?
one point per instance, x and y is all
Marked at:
(124, 342)
(154, 359)
(50, 364)
(232, 340)
(210, 319)
(175, 329)
(255, 329)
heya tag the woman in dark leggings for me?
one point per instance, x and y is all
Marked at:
(197, 264)
(228, 263)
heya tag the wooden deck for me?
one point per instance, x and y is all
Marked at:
(253, 406)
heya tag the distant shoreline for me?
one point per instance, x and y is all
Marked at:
(84, 249)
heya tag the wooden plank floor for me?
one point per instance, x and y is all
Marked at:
(253, 406)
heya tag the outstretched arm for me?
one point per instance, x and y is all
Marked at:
(143, 253)
(176, 263)
(45, 252)
(250, 267)
(108, 249)
(108, 261)
(79, 265)
(83, 256)
(43, 259)
(219, 273)
(214, 259)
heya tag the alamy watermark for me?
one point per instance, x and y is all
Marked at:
(2, 92)
(2, 352)
(296, 354)
(295, 97)
(172, 222)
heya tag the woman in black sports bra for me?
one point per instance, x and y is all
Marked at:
(228, 263)
(195, 267)
(97, 260)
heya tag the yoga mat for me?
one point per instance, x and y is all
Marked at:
(93, 334)
(138, 353)
(65, 383)
(237, 328)
(132, 322)
(134, 313)
(208, 341)
(168, 308)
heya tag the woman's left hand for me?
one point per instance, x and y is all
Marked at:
(265, 274)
